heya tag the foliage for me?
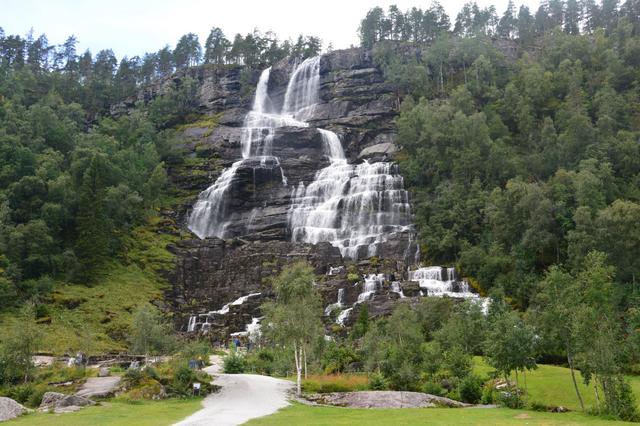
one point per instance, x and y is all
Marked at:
(293, 319)
(149, 333)
(19, 344)
(470, 389)
(234, 363)
(336, 383)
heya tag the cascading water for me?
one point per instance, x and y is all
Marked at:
(338, 305)
(209, 215)
(438, 282)
(354, 207)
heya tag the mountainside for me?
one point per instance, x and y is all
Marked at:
(357, 105)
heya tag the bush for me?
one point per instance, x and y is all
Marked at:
(471, 389)
(433, 388)
(335, 383)
(133, 376)
(261, 362)
(510, 399)
(488, 395)
(183, 379)
(234, 364)
(377, 382)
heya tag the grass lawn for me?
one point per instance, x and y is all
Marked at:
(552, 385)
(150, 413)
(299, 414)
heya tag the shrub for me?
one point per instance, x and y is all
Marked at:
(234, 364)
(471, 389)
(433, 388)
(510, 399)
(377, 382)
(335, 383)
(183, 379)
(354, 278)
(488, 395)
(133, 376)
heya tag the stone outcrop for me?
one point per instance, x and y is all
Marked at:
(62, 403)
(384, 399)
(10, 409)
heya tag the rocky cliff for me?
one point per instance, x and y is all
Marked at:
(358, 106)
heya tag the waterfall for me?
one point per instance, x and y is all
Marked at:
(303, 89)
(395, 287)
(343, 316)
(372, 283)
(239, 301)
(339, 304)
(354, 207)
(209, 215)
(192, 323)
(439, 282)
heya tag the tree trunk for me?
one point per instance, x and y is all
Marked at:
(298, 359)
(304, 353)
(526, 390)
(573, 377)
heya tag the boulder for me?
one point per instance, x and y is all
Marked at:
(384, 399)
(379, 150)
(61, 403)
(10, 409)
(104, 372)
(50, 399)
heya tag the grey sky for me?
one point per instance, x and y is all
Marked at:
(133, 27)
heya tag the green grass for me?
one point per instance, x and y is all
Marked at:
(552, 385)
(149, 413)
(95, 319)
(335, 416)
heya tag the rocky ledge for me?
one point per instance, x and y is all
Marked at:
(384, 399)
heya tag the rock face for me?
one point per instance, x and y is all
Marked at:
(99, 387)
(384, 399)
(219, 282)
(356, 104)
(10, 409)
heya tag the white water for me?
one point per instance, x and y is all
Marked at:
(239, 301)
(395, 287)
(343, 316)
(372, 283)
(353, 207)
(252, 330)
(438, 282)
(339, 304)
(209, 215)
(192, 323)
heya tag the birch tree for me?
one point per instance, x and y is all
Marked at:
(293, 319)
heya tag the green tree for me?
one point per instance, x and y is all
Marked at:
(293, 319)
(511, 345)
(149, 333)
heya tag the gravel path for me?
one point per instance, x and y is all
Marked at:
(243, 397)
